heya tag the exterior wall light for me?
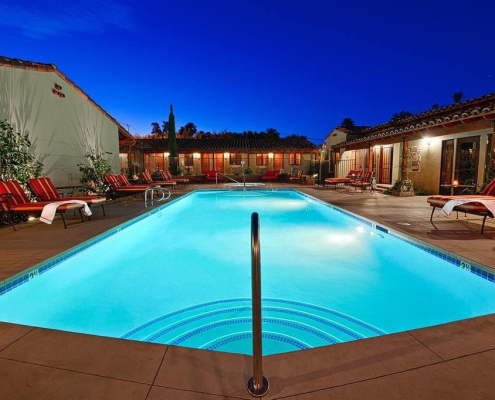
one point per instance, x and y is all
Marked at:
(196, 155)
(270, 155)
(226, 155)
(166, 154)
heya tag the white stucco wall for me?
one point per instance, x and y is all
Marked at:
(62, 130)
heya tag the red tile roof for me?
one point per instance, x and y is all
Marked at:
(478, 108)
(220, 145)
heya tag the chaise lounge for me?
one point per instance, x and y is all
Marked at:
(16, 205)
(471, 206)
(149, 180)
(351, 177)
(45, 190)
(166, 175)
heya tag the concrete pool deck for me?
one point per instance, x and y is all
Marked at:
(451, 361)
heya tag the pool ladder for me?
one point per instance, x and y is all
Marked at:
(257, 385)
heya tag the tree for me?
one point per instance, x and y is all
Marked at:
(16, 160)
(401, 115)
(93, 174)
(272, 133)
(458, 97)
(348, 123)
(165, 129)
(188, 130)
(172, 142)
(435, 106)
(156, 131)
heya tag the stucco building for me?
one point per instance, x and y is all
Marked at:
(223, 155)
(62, 121)
(447, 144)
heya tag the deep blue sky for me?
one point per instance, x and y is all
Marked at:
(298, 66)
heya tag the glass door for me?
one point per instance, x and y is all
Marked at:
(466, 166)
(219, 162)
(447, 166)
(386, 165)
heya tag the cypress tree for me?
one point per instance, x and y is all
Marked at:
(172, 140)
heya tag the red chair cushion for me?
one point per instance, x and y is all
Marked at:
(44, 189)
(13, 187)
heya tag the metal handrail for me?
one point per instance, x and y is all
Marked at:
(152, 191)
(225, 176)
(257, 385)
(232, 179)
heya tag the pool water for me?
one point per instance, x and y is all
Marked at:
(182, 275)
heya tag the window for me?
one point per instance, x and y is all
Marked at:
(295, 159)
(188, 160)
(261, 159)
(235, 158)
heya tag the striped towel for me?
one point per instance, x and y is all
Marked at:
(50, 210)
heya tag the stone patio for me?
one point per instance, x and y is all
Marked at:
(451, 361)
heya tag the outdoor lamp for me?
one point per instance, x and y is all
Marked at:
(166, 154)
(226, 155)
(196, 155)
(455, 183)
(270, 155)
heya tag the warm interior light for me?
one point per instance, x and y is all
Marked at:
(270, 155)
(196, 155)
(166, 154)
(455, 183)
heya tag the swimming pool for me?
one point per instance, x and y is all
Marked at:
(181, 275)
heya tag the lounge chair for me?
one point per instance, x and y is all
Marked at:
(471, 207)
(166, 175)
(351, 177)
(364, 182)
(45, 190)
(16, 205)
(271, 175)
(149, 180)
(297, 177)
(118, 188)
(212, 175)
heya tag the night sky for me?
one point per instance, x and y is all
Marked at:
(298, 66)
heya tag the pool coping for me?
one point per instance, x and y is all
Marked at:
(38, 269)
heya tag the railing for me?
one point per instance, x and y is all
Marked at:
(233, 180)
(152, 191)
(257, 385)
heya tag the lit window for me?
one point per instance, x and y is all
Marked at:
(261, 159)
(235, 158)
(295, 159)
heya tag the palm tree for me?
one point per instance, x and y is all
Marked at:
(401, 115)
(172, 140)
(348, 123)
(458, 97)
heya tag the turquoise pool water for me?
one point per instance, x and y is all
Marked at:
(182, 276)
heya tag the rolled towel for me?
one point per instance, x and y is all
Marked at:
(50, 210)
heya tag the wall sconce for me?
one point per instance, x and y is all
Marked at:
(427, 141)
(226, 155)
(455, 183)
(196, 155)
(270, 155)
(166, 154)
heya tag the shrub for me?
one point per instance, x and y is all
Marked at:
(93, 175)
(16, 160)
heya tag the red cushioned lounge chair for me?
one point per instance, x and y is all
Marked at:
(166, 175)
(118, 188)
(212, 175)
(351, 177)
(364, 182)
(468, 208)
(149, 180)
(271, 175)
(45, 190)
(15, 204)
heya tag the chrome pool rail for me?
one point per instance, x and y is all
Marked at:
(257, 385)
(232, 179)
(152, 191)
